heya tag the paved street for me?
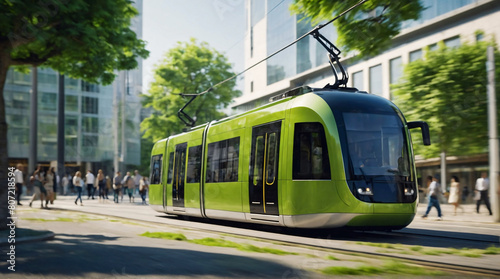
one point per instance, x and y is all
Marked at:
(107, 245)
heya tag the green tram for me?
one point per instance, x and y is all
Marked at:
(312, 158)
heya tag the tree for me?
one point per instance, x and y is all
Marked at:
(448, 90)
(87, 39)
(187, 68)
(368, 28)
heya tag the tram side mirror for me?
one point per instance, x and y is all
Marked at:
(425, 130)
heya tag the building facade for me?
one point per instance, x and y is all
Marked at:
(96, 134)
(270, 26)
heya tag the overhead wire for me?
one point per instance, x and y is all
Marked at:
(317, 28)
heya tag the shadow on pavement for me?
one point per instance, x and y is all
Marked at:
(90, 256)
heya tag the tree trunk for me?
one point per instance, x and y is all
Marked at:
(4, 157)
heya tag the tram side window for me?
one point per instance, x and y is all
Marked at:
(310, 153)
(170, 167)
(223, 160)
(155, 176)
(194, 164)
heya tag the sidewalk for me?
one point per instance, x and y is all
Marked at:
(467, 213)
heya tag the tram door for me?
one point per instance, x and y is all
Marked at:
(179, 175)
(263, 180)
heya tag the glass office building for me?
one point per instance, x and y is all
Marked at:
(101, 122)
(271, 26)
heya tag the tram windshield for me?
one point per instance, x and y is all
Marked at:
(376, 144)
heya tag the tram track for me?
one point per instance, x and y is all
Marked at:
(325, 241)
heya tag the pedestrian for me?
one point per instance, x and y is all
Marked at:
(77, 182)
(128, 186)
(49, 186)
(39, 191)
(117, 187)
(143, 188)
(455, 193)
(137, 179)
(433, 192)
(89, 178)
(482, 186)
(108, 186)
(101, 182)
(65, 183)
(19, 178)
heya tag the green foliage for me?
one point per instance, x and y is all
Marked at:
(368, 28)
(165, 235)
(392, 267)
(188, 68)
(448, 90)
(87, 39)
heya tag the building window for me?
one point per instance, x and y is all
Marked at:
(71, 83)
(223, 160)
(19, 100)
(396, 69)
(357, 80)
(194, 165)
(71, 103)
(90, 141)
(251, 42)
(433, 47)
(415, 55)
(47, 78)
(90, 124)
(49, 101)
(310, 152)
(71, 135)
(452, 42)
(376, 80)
(90, 87)
(20, 78)
(251, 86)
(479, 37)
(155, 176)
(90, 105)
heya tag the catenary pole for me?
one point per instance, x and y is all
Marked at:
(32, 157)
(493, 135)
(60, 132)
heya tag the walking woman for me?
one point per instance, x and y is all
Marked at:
(77, 182)
(455, 194)
(101, 182)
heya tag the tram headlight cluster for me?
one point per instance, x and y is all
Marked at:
(367, 191)
(409, 192)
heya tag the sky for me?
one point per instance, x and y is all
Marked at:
(220, 23)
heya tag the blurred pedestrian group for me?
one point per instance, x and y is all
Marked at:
(43, 185)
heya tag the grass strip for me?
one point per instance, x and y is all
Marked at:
(208, 241)
(390, 268)
(409, 249)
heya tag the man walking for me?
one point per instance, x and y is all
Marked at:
(89, 178)
(433, 192)
(482, 186)
(18, 174)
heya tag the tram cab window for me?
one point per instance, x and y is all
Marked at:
(155, 176)
(376, 144)
(310, 152)
(223, 160)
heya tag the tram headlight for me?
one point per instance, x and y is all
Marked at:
(409, 192)
(367, 191)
